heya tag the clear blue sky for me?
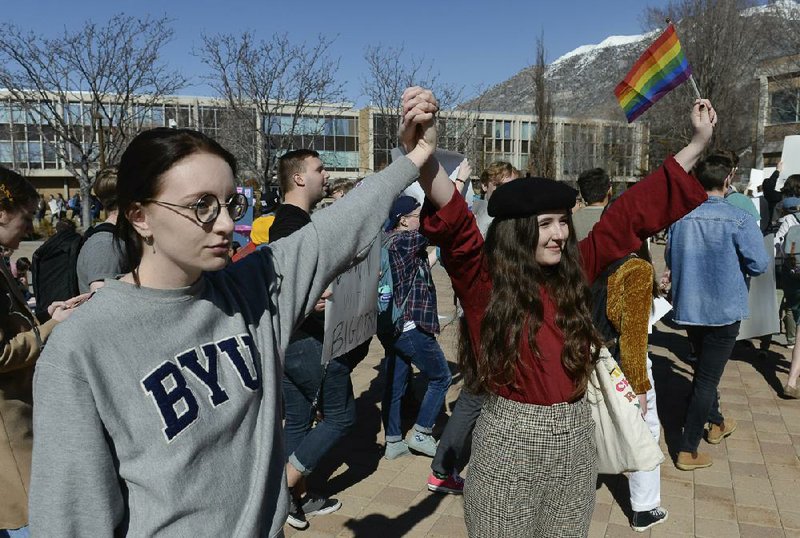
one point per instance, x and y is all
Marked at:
(474, 43)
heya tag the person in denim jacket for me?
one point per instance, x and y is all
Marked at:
(711, 252)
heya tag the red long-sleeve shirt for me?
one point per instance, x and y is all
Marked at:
(649, 206)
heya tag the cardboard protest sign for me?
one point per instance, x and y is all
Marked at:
(351, 314)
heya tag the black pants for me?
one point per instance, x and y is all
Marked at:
(712, 346)
(455, 446)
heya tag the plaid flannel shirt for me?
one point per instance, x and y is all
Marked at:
(410, 270)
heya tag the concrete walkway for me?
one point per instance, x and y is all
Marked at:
(753, 488)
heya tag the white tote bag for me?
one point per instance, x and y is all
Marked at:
(624, 442)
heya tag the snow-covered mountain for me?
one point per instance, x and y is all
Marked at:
(583, 80)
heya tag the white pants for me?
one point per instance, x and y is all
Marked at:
(645, 486)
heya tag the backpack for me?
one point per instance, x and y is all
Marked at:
(599, 290)
(791, 251)
(390, 313)
(54, 267)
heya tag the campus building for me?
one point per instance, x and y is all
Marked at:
(352, 142)
(778, 107)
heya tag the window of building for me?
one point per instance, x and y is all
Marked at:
(785, 106)
(18, 113)
(50, 155)
(211, 120)
(6, 154)
(5, 112)
(334, 137)
(20, 152)
(35, 155)
(179, 114)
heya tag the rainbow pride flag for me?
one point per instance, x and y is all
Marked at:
(661, 68)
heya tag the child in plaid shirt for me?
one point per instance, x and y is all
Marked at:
(415, 343)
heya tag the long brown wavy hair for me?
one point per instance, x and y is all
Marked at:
(515, 308)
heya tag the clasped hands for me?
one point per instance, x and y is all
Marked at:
(418, 122)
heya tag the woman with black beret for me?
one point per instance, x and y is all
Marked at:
(529, 337)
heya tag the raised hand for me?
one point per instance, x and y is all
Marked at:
(464, 170)
(704, 119)
(419, 108)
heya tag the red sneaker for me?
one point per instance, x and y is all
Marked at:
(452, 484)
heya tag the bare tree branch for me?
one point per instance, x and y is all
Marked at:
(269, 86)
(390, 70)
(112, 69)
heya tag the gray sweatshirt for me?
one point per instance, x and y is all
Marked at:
(158, 412)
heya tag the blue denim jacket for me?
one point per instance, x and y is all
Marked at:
(710, 252)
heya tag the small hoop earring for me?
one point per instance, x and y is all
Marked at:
(150, 242)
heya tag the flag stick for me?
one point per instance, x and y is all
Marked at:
(694, 86)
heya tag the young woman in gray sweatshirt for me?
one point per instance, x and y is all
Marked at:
(157, 405)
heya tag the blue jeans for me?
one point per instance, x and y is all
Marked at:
(420, 349)
(713, 346)
(302, 384)
(22, 532)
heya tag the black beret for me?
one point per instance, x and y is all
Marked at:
(529, 196)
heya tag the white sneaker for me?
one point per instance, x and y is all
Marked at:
(422, 442)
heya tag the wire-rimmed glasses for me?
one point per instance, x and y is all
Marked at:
(207, 208)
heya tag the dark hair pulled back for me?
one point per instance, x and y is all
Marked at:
(145, 160)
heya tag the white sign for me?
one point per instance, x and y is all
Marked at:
(351, 314)
(762, 302)
(790, 158)
(755, 187)
(660, 308)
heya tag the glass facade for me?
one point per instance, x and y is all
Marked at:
(26, 142)
(586, 146)
(384, 129)
(334, 137)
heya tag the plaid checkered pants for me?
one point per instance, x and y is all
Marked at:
(533, 471)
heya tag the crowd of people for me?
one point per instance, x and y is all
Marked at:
(182, 389)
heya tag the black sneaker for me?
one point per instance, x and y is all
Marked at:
(296, 517)
(641, 521)
(317, 505)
